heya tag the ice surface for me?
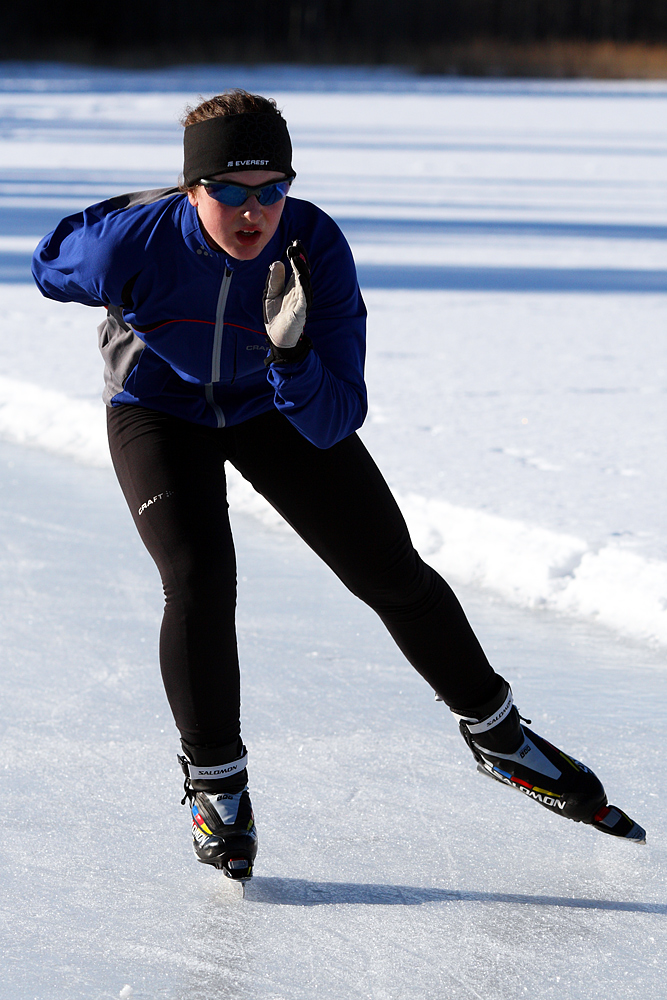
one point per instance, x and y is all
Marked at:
(512, 246)
(387, 869)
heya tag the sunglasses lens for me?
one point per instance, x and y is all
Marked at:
(234, 195)
(273, 193)
(227, 194)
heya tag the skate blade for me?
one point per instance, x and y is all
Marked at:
(235, 887)
(238, 872)
(612, 820)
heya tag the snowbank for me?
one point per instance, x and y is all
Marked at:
(532, 566)
(44, 418)
(527, 565)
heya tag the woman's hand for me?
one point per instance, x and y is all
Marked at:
(286, 305)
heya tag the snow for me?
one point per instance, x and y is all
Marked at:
(512, 247)
(511, 243)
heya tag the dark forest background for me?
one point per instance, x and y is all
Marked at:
(498, 37)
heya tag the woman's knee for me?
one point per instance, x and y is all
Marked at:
(404, 587)
(198, 581)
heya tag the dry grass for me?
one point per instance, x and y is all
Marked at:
(485, 57)
(555, 59)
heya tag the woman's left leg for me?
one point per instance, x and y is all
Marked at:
(338, 501)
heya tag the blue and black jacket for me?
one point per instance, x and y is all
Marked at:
(184, 331)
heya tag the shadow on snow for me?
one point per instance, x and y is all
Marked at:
(302, 892)
(511, 279)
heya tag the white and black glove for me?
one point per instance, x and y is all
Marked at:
(286, 307)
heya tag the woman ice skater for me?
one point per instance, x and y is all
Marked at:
(235, 333)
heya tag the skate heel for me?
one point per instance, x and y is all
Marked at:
(238, 869)
(493, 775)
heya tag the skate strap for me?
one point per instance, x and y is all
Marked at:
(475, 726)
(213, 771)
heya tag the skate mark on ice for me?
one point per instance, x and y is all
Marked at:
(301, 892)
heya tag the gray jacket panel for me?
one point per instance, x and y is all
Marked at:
(119, 345)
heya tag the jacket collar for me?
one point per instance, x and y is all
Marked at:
(192, 234)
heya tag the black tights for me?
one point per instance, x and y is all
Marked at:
(172, 473)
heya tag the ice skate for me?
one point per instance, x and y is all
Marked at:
(223, 826)
(514, 755)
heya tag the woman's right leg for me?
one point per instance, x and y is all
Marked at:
(172, 474)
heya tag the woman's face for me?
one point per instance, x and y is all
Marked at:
(241, 232)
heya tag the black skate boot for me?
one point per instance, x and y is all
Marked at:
(223, 827)
(516, 756)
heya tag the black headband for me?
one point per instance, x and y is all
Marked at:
(249, 141)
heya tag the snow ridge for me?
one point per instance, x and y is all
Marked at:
(534, 567)
(45, 418)
(526, 564)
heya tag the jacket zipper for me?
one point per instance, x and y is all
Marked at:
(216, 358)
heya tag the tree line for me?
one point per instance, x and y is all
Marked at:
(367, 31)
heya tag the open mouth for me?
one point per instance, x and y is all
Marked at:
(248, 237)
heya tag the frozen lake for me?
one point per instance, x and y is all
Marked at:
(511, 240)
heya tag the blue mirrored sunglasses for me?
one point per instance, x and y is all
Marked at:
(234, 195)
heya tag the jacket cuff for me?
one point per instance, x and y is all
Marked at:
(289, 355)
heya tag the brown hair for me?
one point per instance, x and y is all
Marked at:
(232, 102)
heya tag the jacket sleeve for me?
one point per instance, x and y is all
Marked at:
(324, 396)
(81, 260)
